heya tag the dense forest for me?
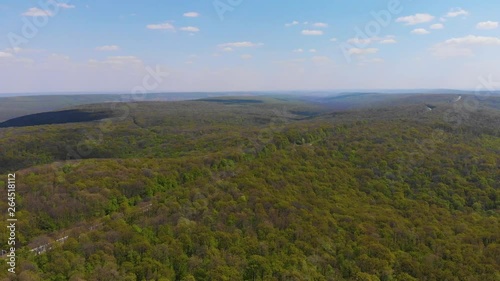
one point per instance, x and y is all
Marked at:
(259, 189)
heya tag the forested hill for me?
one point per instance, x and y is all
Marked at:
(17, 106)
(261, 189)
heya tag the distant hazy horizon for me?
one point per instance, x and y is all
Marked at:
(290, 92)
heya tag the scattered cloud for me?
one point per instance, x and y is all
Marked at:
(312, 32)
(298, 51)
(320, 59)
(448, 51)
(161, 26)
(455, 12)
(333, 40)
(191, 15)
(14, 50)
(420, 31)
(312, 50)
(246, 57)
(59, 57)
(487, 25)
(5, 55)
(118, 61)
(317, 24)
(290, 63)
(461, 46)
(437, 26)
(416, 19)
(376, 60)
(17, 50)
(359, 41)
(390, 39)
(363, 61)
(190, 29)
(474, 40)
(360, 51)
(36, 12)
(107, 48)
(65, 6)
(244, 44)
(320, 25)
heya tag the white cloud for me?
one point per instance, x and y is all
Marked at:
(461, 46)
(376, 60)
(474, 40)
(437, 26)
(312, 50)
(333, 40)
(298, 51)
(17, 50)
(312, 32)
(14, 50)
(416, 19)
(118, 61)
(320, 25)
(320, 59)
(24, 61)
(290, 62)
(191, 15)
(390, 39)
(36, 12)
(161, 26)
(292, 23)
(455, 12)
(245, 44)
(5, 55)
(360, 41)
(316, 24)
(448, 51)
(360, 51)
(246, 57)
(420, 31)
(487, 25)
(58, 57)
(362, 61)
(107, 48)
(228, 49)
(190, 29)
(65, 6)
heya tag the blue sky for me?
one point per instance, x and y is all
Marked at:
(247, 45)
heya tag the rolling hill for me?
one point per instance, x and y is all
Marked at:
(260, 188)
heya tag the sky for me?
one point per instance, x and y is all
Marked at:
(247, 45)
